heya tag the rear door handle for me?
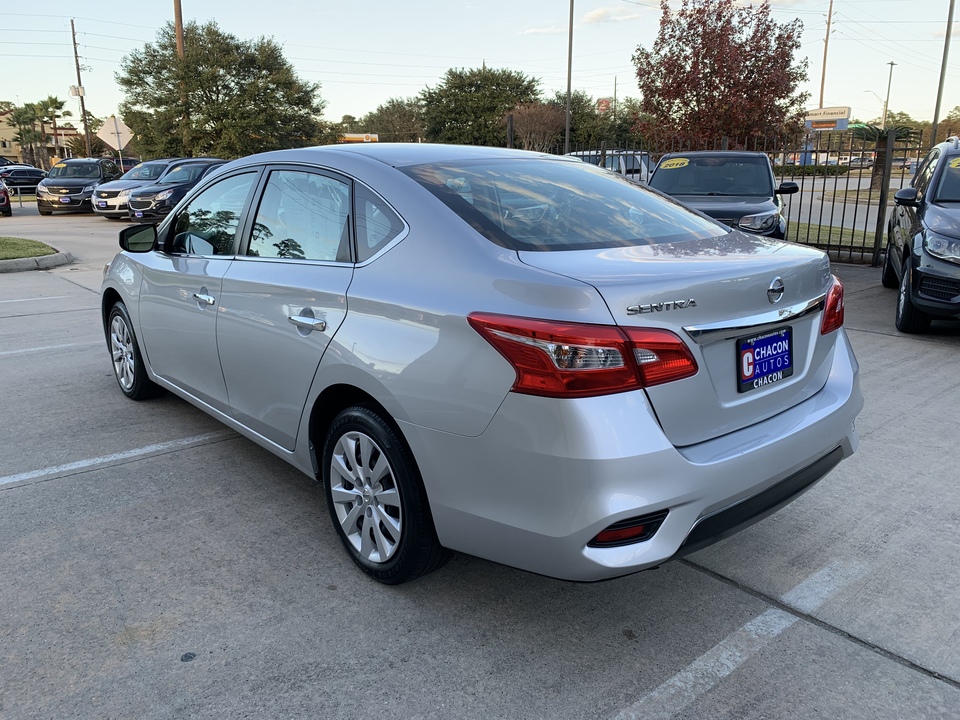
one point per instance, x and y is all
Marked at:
(204, 298)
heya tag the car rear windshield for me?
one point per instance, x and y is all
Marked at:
(542, 204)
(75, 170)
(145, 171)
(713, 175)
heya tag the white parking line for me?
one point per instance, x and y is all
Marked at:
(24, 351)
(674, 695)
(45, 297)
(115, 457)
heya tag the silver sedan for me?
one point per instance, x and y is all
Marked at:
(506, 354)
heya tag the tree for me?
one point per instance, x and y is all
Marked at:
(717, 69)
(878, 135)
(468, 106)
(397, 120)
(588, 127)
(24, 119)
(227, 97)
(51, 110)
(538, 126)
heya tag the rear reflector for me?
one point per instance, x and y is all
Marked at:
(557, 359)
(833, 311)
(627, 532)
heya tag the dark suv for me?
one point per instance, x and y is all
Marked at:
(923, 242)
(155, 201)
(736, 188)
(70, 184)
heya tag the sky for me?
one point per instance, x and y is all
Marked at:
(363, 54)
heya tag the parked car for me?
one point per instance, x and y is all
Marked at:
(861, 162)
(737, 188)
(6, 208)
(923, 242)
(491, 351)
(22, 177)
(156, 200)
(70, 184)
(110, 199)
(901, 162)
(632, 164)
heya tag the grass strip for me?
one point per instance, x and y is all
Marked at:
(12, 248)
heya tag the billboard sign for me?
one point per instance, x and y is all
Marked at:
(831, 118)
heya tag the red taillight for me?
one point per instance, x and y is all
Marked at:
(558, 359)
(833, 311)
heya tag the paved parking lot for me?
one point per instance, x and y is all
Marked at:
(157, 565)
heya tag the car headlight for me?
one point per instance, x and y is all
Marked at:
(90, 188)
(942, 247)
(763, 222)
(164, 195)
(123, 194)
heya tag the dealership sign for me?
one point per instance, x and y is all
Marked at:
(831, 118)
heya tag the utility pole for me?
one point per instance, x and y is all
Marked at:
(943, 74)
(83, 107)
(566, 141)
(185, 117)
(886, 104)
(826, 44)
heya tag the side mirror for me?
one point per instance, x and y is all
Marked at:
(907, 197)
(138, 238)
(788, 188)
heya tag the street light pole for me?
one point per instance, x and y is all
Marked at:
(886, 104)
(566, 141)
(943, 74)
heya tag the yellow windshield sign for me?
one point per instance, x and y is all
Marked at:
(955, 163)
(675, 163)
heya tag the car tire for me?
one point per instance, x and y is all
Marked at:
(128, 367)
(909, 319)
(376, 499)
(888, 276)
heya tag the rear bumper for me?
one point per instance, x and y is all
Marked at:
(547, 475)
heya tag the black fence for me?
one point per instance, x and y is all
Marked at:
(846, 185)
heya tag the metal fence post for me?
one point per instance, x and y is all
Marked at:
(884, 192)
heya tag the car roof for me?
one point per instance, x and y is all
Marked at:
(395, 154)
(716, 153)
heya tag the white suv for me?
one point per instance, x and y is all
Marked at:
(633, 164)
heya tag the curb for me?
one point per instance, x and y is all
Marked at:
(44, 262)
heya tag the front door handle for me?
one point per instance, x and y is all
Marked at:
(204, 298)
(308, 323)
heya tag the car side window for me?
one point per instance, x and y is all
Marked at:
(302, 216)
(377, 223)
(925, 172)
(208, 224)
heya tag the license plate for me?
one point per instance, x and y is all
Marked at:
(101, 203)
(65, 200)
(764, 359)
(138, 214)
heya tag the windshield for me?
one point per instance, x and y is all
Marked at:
(145, 171)
(75, 170)
(714, 175)
(182, 174)
(948, 188)
(556, 205)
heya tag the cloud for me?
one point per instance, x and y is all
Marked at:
(605, 15)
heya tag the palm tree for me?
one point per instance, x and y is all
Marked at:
(50, 110)
(878, 135)
(24, 119)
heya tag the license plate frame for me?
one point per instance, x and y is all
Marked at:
(65, 200)
(765, 359)
(101, 203)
